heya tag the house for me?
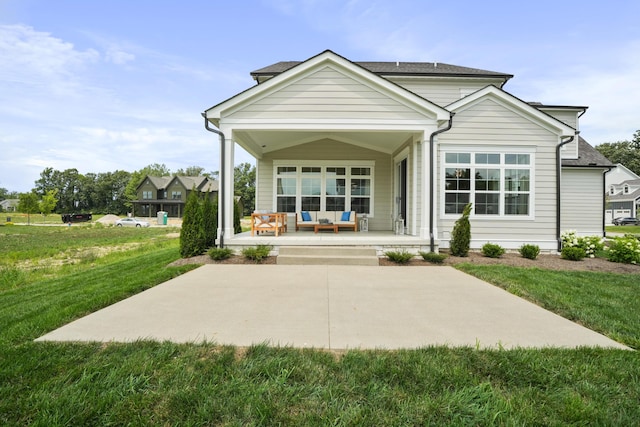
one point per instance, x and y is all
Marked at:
(169, 194)
(413, 142)
(9, 205)
(623, 193)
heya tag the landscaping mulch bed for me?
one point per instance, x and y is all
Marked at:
(544, 261)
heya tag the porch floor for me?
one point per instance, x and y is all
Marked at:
(381, 240)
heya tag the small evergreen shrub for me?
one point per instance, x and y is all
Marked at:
(218, 254)
(573, 253)
(492, 250)
(624, 250)
(461, 234)
(433, 257)
(399, 257)
(257, 253)
(529, 251)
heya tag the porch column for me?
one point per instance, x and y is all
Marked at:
(228, 183)
(425, 181)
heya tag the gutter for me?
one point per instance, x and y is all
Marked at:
(221, 177)
(432, 244)
(558, 173)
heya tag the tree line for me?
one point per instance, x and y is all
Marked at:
(112, 192)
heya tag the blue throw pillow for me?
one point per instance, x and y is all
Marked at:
(306, 216)
(346, 216)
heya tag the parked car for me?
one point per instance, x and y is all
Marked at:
(131, 222)
(626, 221)
(74, 217)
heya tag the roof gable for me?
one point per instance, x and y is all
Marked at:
(339, 64)
(516, 105)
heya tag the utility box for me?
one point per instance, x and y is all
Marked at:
(162, 217)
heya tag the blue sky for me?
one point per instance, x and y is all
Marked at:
(114, 85)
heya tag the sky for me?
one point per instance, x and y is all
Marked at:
(102, 86)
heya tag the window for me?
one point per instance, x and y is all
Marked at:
(176, 195)
(626, 189)
(147, 195)
(498, 184)
(331, 187)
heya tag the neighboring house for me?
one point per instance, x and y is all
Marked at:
(9, 205)
(416, 140)
(623, 193)
(169, 194)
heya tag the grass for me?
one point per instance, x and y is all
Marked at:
(150, 383)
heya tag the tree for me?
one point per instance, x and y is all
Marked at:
(48, 202)
(28, 204)
(190, 171)
(625, 152)
(210, 220)
(192, 235)
(461, 234)
(245, 185)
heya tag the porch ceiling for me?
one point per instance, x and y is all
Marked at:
(260, 142)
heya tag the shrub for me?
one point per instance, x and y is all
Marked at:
(461, 234)
(433, 257)
(219, 254)
(399, 257)
(529, 251)
(492, 250)
(192, 234)
(624, 250)
(257, 253)
(573, 253)
(210, 220)
(590, 244)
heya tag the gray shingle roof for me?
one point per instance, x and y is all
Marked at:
(587, 157)
(396, 68)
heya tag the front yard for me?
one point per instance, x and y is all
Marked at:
(149, 383)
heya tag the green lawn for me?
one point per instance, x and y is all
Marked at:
(148, 383)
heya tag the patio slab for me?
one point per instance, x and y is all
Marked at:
(330, 307)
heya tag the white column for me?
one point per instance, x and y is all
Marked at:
(424, 187)
(228, 182)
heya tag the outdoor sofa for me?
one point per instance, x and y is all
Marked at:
(310, 219)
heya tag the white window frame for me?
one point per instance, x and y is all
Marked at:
(324, 164)
(502, 151)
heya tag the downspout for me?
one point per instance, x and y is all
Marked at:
(432, 244)
(558, 173)
(221, 177)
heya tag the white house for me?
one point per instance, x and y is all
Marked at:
(623, 193)
(413, 140)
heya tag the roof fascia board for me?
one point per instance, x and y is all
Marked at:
(515, 104)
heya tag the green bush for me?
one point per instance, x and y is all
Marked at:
(461, 234)
(257, 253)
(192, 233)
(590, 244)
(624, 250)
(433, 257)
(399, 257)
(530, 251)
(492, 250)
(218, 254)
(573, 253)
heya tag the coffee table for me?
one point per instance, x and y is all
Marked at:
(333, 227)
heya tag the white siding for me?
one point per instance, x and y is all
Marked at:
(582, 207)
(324, 150)
(490, 126)
(443, 92)
(327, 94)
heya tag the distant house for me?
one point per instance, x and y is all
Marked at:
(9, 205)
(623, 193)
(169, 194)
(413, 142)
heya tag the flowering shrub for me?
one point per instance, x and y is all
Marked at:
(625, 250)
(589, 244)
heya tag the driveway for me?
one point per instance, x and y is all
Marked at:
(330, 307)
